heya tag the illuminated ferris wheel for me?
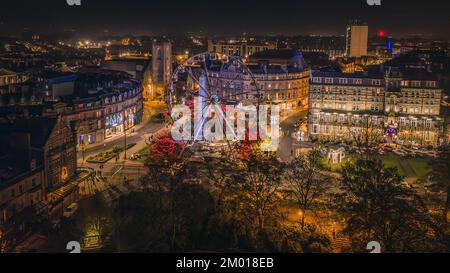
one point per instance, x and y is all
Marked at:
(211, 81)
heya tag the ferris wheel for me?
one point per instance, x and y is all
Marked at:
(213, 81)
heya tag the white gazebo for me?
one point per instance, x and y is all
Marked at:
(336, 156)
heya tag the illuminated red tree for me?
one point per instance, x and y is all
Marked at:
(248, 146)
(164, 146)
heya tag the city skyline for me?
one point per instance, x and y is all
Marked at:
(231, 128)
(400, 18)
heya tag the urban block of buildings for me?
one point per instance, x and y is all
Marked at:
(395, 106)
(244, 49)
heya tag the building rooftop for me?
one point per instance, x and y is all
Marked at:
(5, 72)
(39, 129)
(358, 75)
(277, 54)
(417, 74)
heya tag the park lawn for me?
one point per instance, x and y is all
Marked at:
(349, 158)
(145, 152)
(390, 161)
(420, 166)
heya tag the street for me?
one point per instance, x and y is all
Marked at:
(285, 149)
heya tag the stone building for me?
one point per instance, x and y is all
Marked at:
(281, 76)
(401, 106)
(38, 173)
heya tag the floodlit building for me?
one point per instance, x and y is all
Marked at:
(400, 106)
(161, 68)
(241, 48)
(102, 104)
(357, 38)
(281, 76)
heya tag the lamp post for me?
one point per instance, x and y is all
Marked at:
(125, 140)
(82, 151)
(125, 137)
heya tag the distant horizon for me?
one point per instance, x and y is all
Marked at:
(398, 18)
(94, 36)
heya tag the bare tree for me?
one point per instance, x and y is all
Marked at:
(306, 181)
(366, 133)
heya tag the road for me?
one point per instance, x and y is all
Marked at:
(149, 128)
(284, 151)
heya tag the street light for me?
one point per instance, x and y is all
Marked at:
(82, 150)
(125, 147)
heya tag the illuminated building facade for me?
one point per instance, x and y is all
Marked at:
(241, 48)
(161, 69)
(100, 104)
(105, 112)
(9, 77)
(357, 38)
(44, 148)
(281, 76)
(401, 107)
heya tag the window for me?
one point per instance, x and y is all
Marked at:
(328, 80)
(316, 117)
(317, 80)
(428, 123)
(374, 120)
(376, 82)
(315, 128)
(13, 193)
(343, 81)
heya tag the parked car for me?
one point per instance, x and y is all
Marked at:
(135, 156)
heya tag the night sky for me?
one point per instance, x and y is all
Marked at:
(225, 17)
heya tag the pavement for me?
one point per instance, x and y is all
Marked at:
(137, 135)
(110, 177)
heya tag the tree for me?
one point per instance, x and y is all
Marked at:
(378, 207)
(366, 134)
(168, 169)
(305, 180)
(441, 174)
(143, 225)
(253, 197)
(92, 219)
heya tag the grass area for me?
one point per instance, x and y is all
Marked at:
(420, 166)
(144, 152)
(349, 158)
(107, 155)
(390, 161)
